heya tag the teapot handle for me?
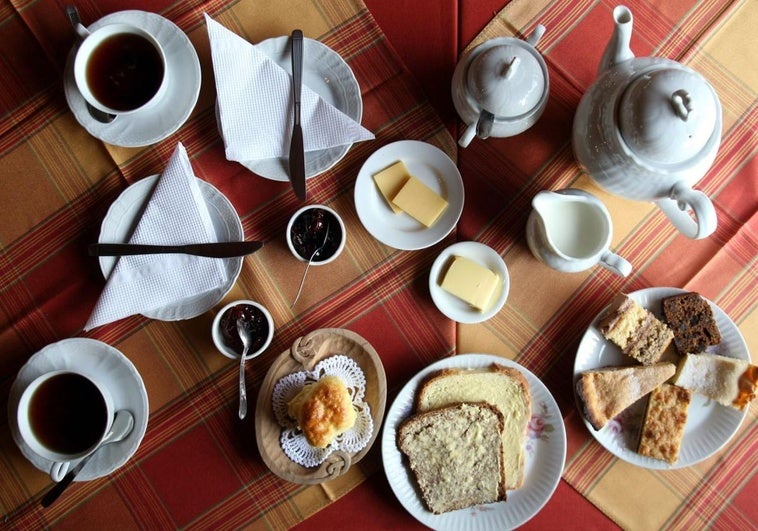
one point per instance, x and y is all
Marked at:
(681, 200)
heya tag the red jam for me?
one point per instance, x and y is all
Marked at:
(253, 320)
(308, 231)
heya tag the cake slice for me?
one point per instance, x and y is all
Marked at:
(663, 428)
(690, 318)
(503, 387)
(608, 391)
(636, 331)
(728, 381)
(454, 452)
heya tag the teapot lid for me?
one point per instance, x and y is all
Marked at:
(507, 80)
(668, 116)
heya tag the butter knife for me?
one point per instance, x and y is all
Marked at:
(297, 153)
(211, 250)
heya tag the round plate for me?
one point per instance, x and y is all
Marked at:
(124, 213)
(453, 307)
(709, 425)
(545, 456)
(428, 164)
(329, 76)
(152, 125)
(304, 354)
(100, 362)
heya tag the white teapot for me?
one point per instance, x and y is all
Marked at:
(648, 129)
(501, 87)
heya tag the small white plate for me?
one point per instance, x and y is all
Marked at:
(452, 306)
(428, 164)
(329, 76)
(125, 212)
(152, 125)
(709, 425)
(545, 456)
(102, 363)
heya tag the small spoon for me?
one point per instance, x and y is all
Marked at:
(317, 251)
(120, 429)
(246, 340)
(484, 125)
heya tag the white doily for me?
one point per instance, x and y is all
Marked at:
(293, 441)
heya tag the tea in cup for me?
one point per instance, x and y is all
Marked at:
(120, 68)
(63, 416)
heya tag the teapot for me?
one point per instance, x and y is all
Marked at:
(648, 129)
(500, 88)
(571, 230)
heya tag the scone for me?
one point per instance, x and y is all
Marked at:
(323, 410)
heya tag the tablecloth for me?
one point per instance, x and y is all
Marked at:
(197, 465)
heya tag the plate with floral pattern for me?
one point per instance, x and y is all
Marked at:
(545, 456)
(709, 425)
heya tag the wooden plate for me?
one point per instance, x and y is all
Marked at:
(304, 354)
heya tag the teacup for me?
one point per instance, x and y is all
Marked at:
(120, 68)
(63, 416)
(571, 230)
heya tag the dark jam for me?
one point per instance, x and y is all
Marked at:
(308, 231)
(253, 320)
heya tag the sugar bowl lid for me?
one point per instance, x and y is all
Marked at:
(507, 80)
(668, 116)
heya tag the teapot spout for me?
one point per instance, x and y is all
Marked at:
(618, 50)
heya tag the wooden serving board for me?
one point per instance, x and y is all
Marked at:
(304, 354)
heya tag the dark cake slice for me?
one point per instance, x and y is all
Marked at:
(691, 319)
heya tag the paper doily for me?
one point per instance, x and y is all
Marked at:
(293, 441)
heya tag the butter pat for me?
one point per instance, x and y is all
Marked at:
(390, 180)
(419, 201)
(472, 283)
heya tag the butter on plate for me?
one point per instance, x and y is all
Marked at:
(472, 283)
(390, 180)
(406, 193)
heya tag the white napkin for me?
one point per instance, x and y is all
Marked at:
(176, 214)
(255, 104)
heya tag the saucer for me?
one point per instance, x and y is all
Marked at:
(450, 305)
(428, 164)
(329, 76)
(124, 213)
(148, 126)
(100, 362)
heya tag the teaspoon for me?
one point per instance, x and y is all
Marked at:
(246, 340)
(120, 429)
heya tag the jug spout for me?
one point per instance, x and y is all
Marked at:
(618, 50)
(545, 200)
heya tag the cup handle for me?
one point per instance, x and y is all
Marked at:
(73, 17)
(468, 135)
(676, 207)
(615, 263)
(58, 470)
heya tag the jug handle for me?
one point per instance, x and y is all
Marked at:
(681, 199)
(615, 263)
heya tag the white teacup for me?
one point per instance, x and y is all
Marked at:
(63, 416)
(120, 68)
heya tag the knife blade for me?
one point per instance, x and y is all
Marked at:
(297, 152)
(211, 250)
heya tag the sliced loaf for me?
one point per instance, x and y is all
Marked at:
(503, 387)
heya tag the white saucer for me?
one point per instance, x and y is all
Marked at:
(125, 212)
(545, 456)
(329, 76)
(428, 164)
(453, 307)
(145, 127)
(104, 364)
(709, 425)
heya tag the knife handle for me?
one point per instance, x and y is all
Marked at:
(297, 70)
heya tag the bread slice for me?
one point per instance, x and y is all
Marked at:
(728, 381)
(608, 391)
(503, 387)
(690, 318)
(665, 418)
(636, 331)
(455, 453)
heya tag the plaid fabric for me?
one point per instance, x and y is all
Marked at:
(198, 466)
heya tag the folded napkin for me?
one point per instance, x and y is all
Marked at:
(256, 105)
(176, 214)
